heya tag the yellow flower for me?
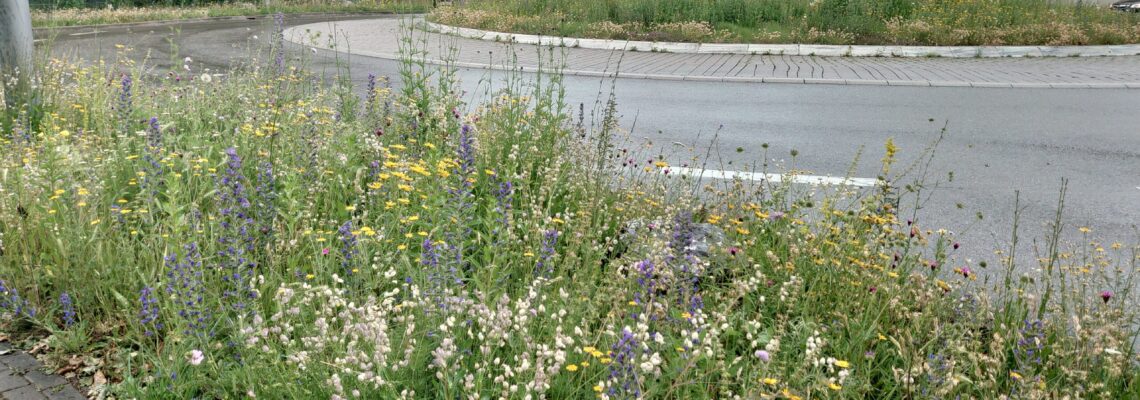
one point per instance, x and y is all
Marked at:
(95, 222)
(558, 221)
(401, 247)
(1014, 375)
(598, 388)
(833, 386)
(571, 367)
(310, 276)
(350, 208)
(489, 172)
(661, 164)
(770, 381)
(605, 360)
(1085, 229)
(842, 364)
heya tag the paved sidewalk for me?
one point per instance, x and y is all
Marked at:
(22, 378)
(380, 38)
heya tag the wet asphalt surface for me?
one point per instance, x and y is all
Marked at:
(998, 142)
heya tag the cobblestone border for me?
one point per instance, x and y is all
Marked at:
(22, 378)
(794, 49)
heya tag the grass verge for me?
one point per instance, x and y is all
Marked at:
(269, 235)
(47, 18)
(866, 22)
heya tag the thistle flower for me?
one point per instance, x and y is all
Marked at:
(370, 97)
(623, 380)
(68, 310)
(504, 197)
(148, 314)
(542, 266)
(237, 225)
(124, 107)
(1106, 296)
(185, 284)
(152, 170)
(348, 249)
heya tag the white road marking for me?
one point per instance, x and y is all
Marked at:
(775, 178)
(85, 33)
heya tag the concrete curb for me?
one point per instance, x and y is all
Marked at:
(794, 49)
(291, 35)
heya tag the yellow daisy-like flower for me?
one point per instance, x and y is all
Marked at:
(1015, 375)
(350, 208)
(833, 386)
(572, 367)
(770, 381)
(842, 364)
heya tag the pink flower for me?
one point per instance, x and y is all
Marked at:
(325, 251)
(196, 357)
(1106, 295)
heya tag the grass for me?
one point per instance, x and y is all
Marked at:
(872, 22)
(46, 17)
(269, 235)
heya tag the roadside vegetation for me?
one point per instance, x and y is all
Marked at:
(72, 13)
(266, 234)
(879, 22)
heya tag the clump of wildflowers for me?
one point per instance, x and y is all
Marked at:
(11, 301)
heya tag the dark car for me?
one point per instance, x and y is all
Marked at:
(1127, 5)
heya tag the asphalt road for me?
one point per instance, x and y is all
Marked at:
(998, 141)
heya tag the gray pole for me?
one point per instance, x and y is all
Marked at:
(16, 47)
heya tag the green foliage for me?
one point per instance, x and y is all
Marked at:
(905, 22)
(267, 234)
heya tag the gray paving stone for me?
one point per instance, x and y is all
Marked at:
(19, 361)
(44, 381)
(65, 393)
(24, 393)
(9, 381)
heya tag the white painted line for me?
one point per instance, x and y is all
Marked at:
(774, 178)
(86, 33)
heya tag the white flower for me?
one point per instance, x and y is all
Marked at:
(206, 78)
(196, 357)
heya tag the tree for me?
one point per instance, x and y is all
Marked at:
(16, 49)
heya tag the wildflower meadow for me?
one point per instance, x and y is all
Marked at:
(272, 233)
